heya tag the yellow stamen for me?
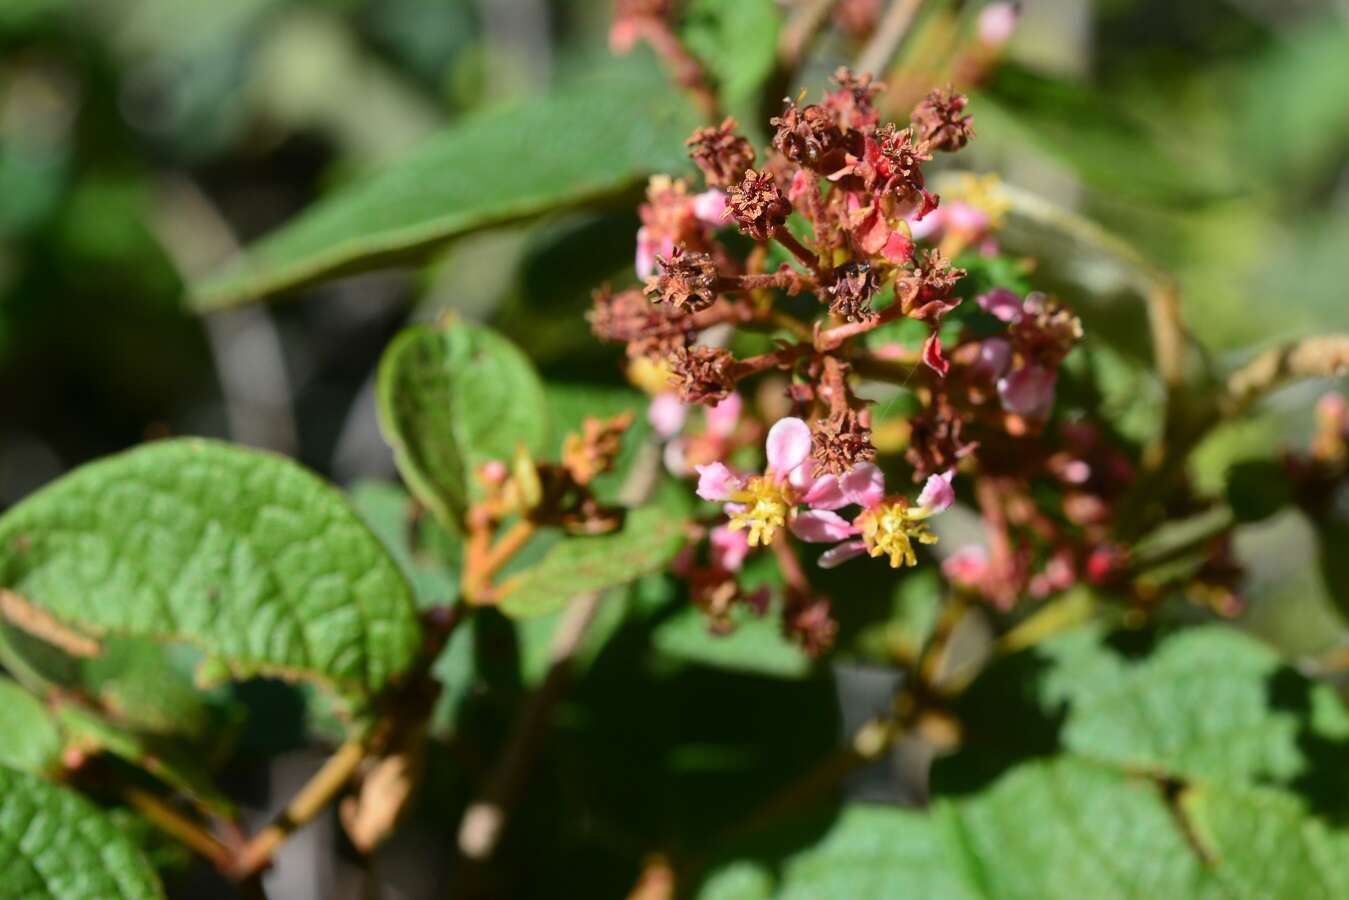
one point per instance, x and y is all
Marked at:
(767, 503)
(891, 529)
(984, 193)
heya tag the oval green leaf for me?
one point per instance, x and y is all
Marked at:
(243, 554)
(55, 845)
(451, 397)
(587, 140)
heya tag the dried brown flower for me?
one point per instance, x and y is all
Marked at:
(592, 451)
(926, 292)
(935, 442)
(1047, 331)
(630, 316)
(758, 205)
(687, 281)
(703, 374)
(941, 121)
(809, 620)
(723, 155)
(851, 291)
(810, 136)
(841, 441)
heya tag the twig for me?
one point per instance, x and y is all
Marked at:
(485, 819)
(311, 799)
(1315, 357)
(889, 34)
(802, 26)
(178, 826)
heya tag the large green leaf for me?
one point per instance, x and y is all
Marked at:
(29, 738)
(1058, 829)
(451, 397)
(1210, 704)
(868, 853)
(592, 138)
(54, 845)
(242, 554)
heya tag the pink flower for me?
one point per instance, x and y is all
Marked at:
(648, 247)
(995, 357)
(729, 548)
(884, 527)
(709, 207)
(1002, 303)
(1028, 391)
(968, 566)
(997, 23)
(724, 418)
(764, 503)
(666, 414)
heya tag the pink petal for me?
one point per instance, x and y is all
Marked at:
(997, 22)
(1000, 302)
(932, 357)
(967, 566)
(709, 207)
(820, 526)
(938, 495)
(729, 548)
(964, 218)
(995, 355)
(1028, 391)
(802, 185)
(825, 492)
(645, 263)
(666, 414)
(788, 446)
(723, 418)
(927, 226)
(716, 482)
(841, 553)
(864, 485)
(898, 247)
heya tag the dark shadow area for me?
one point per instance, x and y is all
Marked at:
(1324, 781)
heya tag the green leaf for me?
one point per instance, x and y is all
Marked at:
(428, 555)
(867, 853)
(738, 42)
(650, 537)
(452, 397)
(55, 845)
(245, 555)
(1058, 829)
(589, 139)
(29, 738)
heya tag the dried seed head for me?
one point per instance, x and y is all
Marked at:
(851, 291)
(758, 205)
(722, 154)
(810, 136)
(927, 290)
(592, 451)
(809, 621)
(904, 154)
(687, 281)
(841, 441)
(629, 316)
(853, 102)
(941, 121)
(1046, 331)
(703, 374)
(935, 442)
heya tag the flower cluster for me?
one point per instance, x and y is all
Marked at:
(850, 239)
